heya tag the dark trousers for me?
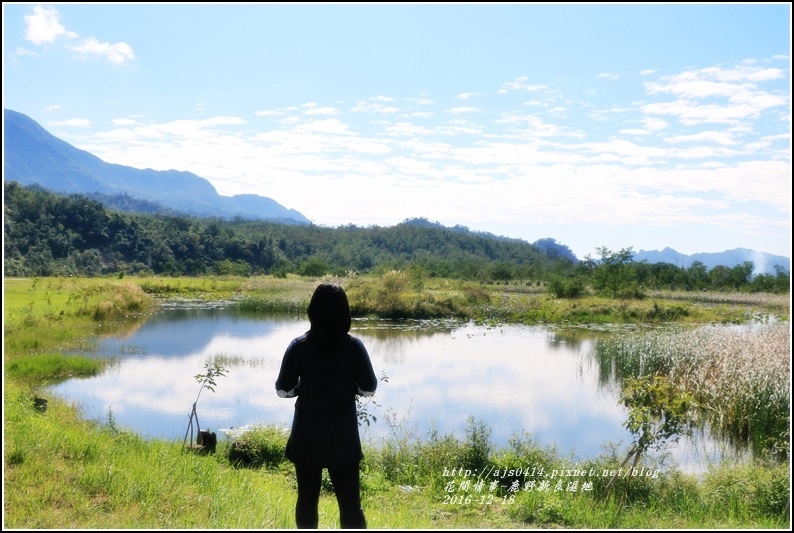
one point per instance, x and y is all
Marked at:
(346, 487)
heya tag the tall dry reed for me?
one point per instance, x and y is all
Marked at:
(739, 375)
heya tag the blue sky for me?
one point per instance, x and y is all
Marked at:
(643, 126)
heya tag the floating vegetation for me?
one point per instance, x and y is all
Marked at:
(237, 360)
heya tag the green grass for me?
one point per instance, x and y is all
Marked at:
(62, 471)
(51, 366)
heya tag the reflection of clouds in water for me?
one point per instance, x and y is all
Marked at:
(390, 350)
(508, 377)
(160, 383)
(504, 377)
(393, 342)
(190, 331)
(515, 379)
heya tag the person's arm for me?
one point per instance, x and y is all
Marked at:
(366, 381)
(288, 381)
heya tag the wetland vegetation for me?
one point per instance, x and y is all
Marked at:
(63, 471)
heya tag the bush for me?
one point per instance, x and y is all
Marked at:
(112, 301)
(261, 446)
(567, 288)
(478, 447)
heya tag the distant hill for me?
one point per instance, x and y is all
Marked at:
(764, 263)
(34, 156)
(555, 250)
(551, 248)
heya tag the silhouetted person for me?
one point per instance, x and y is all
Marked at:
(325, 368)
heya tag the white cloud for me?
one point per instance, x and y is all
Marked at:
(76, 122)
(693, 88)
(691, 113)
(654, 124)
(457, 130)
(290, 121)
(21, 52)
(628, 152)
(331, 125)
(718, 137)
(743, 73)
(322, 111)
(558, 111)
(406, 129)
(461, 110)
(124, 122)
(43, 27)
(520, 84)
(607, 76)
(598, 114)
(703, 153)
(532, 127)
(769, 140)
(118, 53)
(465, 96)
(736, 87)
(374, 106)
(217, 121)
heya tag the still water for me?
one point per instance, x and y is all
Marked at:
(515, 379)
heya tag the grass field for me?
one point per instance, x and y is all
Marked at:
(61, 471)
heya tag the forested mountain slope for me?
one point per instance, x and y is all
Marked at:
(47, 234)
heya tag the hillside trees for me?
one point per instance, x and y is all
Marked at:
(46, 234)
(51, 235)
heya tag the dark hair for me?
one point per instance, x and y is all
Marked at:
(329, 310)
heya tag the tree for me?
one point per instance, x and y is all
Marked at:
(206, 381)
(658, 412)
(314, 267)
(698, 276)
(721, 277)
(741, 274)
(614, 274)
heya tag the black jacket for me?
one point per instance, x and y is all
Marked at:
(325, 425)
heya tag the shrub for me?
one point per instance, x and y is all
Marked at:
(567, 288)
(261, 446)
(478, 447)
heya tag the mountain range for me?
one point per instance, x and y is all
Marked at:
(33, 156)
(763, 262)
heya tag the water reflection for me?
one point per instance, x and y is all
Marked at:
(514, 378)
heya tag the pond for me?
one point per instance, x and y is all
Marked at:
(537, 381)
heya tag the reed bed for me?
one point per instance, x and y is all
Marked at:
(761, 299)
(739, 376)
